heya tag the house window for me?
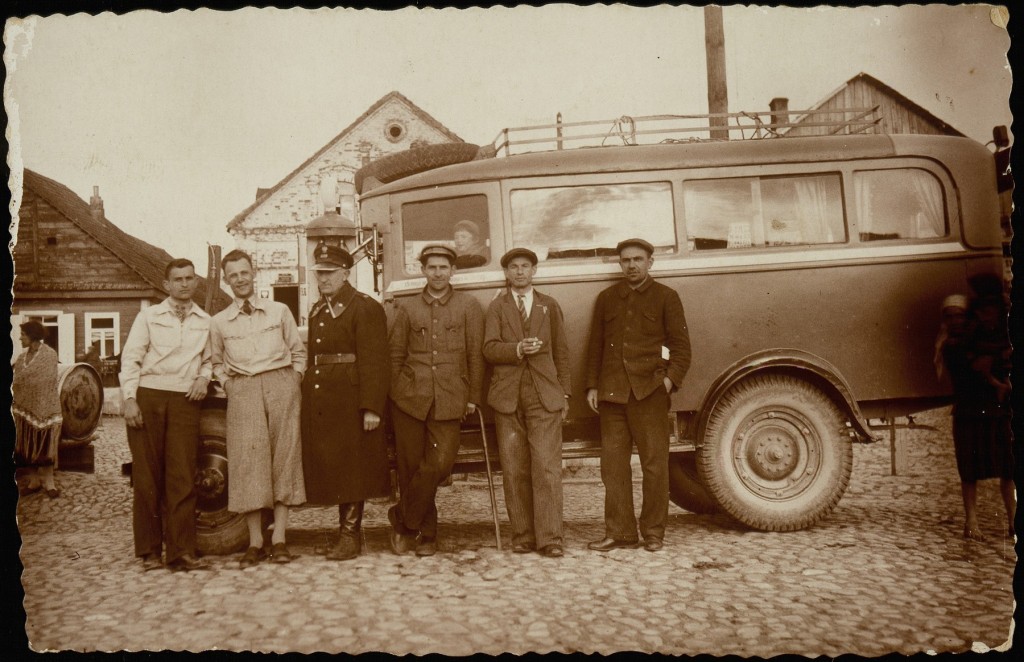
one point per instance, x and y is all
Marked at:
(394, 131)
(104, 331)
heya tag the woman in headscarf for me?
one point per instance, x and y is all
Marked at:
(36, 410)
(973, 349)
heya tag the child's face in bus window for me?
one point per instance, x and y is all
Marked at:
(635, 263)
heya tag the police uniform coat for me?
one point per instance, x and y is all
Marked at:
(342, 462)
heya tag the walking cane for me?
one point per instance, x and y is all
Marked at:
(490, 479)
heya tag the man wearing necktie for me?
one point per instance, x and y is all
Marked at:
(524, 339)
(344, 454)
(259, 359)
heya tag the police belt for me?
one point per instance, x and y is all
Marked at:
(325, 359)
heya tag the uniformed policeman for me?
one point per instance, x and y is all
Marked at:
(344, 392)
(437, 373)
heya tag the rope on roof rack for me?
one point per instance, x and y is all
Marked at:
(628, 136)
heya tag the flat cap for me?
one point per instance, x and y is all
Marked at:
(635, 241)
(440, 250)
(329, 258)
(518, 252)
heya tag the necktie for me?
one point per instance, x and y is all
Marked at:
(180, 312)
(247, 307)
(522, 311)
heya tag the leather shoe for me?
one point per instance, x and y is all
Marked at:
(151, 562)
(187, 563)
(608, 544)
(522, 548)
(652, 544)
(551, 551)
(426, 547)
(252, 557)
(347, 548)
(53, 492)
(401, 543)
(279, 553)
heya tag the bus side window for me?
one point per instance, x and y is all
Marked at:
(899, 204)
(746, 212)
(461, 223)
(588, 221)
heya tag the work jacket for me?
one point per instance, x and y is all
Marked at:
(435, 355)
(628, 330)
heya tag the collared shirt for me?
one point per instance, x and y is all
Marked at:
(527, 300)
(164, 353)
(268, 339)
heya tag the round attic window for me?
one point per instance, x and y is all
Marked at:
(394, 131)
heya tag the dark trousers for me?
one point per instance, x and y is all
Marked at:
(426, 451)
(163, 473)
(530, 446)
(644, 423)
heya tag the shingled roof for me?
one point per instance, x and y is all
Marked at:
(263, 193)
(146, 260)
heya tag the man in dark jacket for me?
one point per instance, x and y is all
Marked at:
(629, 383)
(437, 373)
(524, 338)
(344, 456)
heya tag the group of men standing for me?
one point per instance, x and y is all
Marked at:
(306, 426)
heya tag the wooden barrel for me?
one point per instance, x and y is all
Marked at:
(81, 400)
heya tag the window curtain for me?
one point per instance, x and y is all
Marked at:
(928, 196)
(813, 210)
(862, 192)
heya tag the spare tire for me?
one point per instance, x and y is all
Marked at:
(411, 161)
(685, 487)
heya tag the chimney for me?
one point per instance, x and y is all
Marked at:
(96, 204)
(780, 111)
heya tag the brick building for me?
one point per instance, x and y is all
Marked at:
(81, 275)
(272, 228)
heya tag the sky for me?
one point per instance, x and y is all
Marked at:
(180, 117)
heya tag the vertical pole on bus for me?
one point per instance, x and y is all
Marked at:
(212, 277)
(558, 130)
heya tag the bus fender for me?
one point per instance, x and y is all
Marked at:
(793, 361)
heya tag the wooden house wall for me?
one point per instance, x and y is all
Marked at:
(896, 116)
(75, 258)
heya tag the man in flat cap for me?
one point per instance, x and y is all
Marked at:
(437, 374)
(629, 384)
(524, 338)
(344, 391)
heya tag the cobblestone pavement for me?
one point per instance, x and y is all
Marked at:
(888, 571)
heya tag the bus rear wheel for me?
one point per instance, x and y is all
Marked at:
(775, 454)
(685, 487)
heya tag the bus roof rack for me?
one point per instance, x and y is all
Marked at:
(646, 129)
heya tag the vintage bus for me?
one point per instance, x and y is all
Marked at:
(811, 269)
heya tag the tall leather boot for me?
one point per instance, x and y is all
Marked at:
(350, 518)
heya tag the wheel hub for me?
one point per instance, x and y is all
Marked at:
(776, 453)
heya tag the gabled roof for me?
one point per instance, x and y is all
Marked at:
(263, 193)
(146, 260)
(868, 78)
